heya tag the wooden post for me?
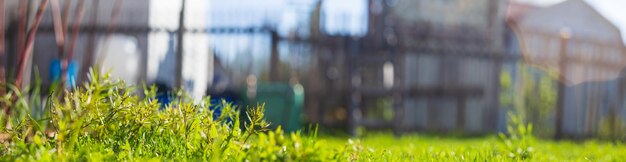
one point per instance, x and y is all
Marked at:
(432, 124)
(613, 113)
(354, 107)
(2, 51)
(560, 103)
(493, 108)
(460, 114)
(619, 103)
(179, 47)
(398, 88)
(274, 58)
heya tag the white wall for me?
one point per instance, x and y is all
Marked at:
(197, 59)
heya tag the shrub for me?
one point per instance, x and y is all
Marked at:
(108, 120)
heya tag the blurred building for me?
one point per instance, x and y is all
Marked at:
(445, 38)
(575, 41)
(90, 39)
(410, 65)
(422, 65)
(132, 47)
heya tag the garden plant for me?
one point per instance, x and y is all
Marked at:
(107, 120)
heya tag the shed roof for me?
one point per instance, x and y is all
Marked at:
(578, 15)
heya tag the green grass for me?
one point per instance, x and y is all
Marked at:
(106, 120)
(415, 147)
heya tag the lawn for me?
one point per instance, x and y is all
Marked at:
(415, 147)
(106, 120)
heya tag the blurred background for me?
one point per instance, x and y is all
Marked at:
(439, 66)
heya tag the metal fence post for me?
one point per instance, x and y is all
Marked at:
(560, 105)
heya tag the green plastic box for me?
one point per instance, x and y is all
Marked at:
(283, 104)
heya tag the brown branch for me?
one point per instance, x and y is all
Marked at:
(30, 40)
(88, 60)
(21, 26)
(58, 26)
(70, 51)
(76, 26)
(116, 12)
(66, 14)
(110, 29)
(2, 49)
(28, 49)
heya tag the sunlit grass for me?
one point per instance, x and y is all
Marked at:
(106, 120)
(416, 147)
